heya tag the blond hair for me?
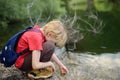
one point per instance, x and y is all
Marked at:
(57, 29)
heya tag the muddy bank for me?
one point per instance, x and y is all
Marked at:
(81, 67)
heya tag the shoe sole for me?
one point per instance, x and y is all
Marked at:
(38, 77)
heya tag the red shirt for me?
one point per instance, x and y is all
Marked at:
(32, 40)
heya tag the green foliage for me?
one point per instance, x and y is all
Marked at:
(46, 8)
(78, 4)
(114, 1)
(18, 10)
(103, 5)
(12, 9)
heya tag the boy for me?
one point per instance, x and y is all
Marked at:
(41, 45)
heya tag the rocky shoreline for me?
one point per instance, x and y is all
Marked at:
(81, 67)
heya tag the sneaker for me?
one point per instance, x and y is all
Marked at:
(41, 73)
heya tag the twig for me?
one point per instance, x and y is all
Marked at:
(29, 5)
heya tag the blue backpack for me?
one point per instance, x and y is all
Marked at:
(8, 55)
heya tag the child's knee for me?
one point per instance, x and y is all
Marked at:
(49, 45)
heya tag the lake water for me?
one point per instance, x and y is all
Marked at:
(84, 66)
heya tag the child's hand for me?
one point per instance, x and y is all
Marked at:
(64, 70)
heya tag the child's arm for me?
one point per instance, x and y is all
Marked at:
(63, 68)
(36, 64)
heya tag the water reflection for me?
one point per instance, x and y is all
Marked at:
(101, 67)
(84, 66)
